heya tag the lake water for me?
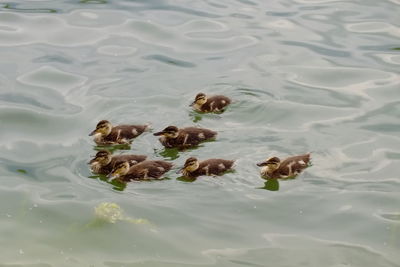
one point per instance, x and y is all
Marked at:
(305, 75)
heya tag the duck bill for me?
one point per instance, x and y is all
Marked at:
(179, 171)
(91, 161)
(261, 164)
(158, 133)
(93, 133)
(192, 104)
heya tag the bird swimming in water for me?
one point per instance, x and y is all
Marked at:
(216, 103)
(106, 134)
(194, 168)
(287, 168)
(104, 162)
(145, 170)
(185, 137)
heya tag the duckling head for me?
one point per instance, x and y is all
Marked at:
(169, 132)
(120, 169)
(269, 165)
(103, 128)
(199, 100)
(191, 164)
(103, 157)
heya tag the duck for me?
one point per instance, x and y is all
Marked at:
(194, 168)
(173, 137)
(107, 134)
(104, 162)
(145, 170)
(216, 103)
(290, 167)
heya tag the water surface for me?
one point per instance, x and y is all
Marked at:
(305, 75)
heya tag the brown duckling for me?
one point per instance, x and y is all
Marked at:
(216, 103)
(288, 168)
(104, 161)
(184, 137)
(145, 170)
(106, 134)
(193, 168)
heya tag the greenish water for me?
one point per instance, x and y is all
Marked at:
(305, 75)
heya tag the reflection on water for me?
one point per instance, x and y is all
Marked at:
(117, 184)
(14, 7)
(168, 153)
(271, 185)
(197, 116)
(22, 171)
(113, 148)
(173, 153)
(93, 1)
(186, 179)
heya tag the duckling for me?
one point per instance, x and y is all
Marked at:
(185, 137)
(288, 168)
(215, 103)
(145, 170)
(193, 168)
(106, 134)
(104, 161)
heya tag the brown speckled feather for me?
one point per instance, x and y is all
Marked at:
(188, 137)
(292, 166)
(121, 134)
(147, 170)
(215, 103)
(132, 159)
(212, 167)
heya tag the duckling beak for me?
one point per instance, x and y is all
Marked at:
(92, 133)
(262, 164)
(180, 170)
(111, 176)
(158, 133)
(192, 103)
(91, 161)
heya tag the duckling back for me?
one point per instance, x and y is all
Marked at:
(213, 167)
(122, 134)
(147, 170)
(215, 103)
(292, 166)
(190, 136)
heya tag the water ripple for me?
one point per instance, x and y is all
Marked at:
(347, 80)
(319, 49)
(298, 252)
(171, 61)
(53, 78)
(374, 27)
(14, 7)
(170, 37)
(115, 50)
